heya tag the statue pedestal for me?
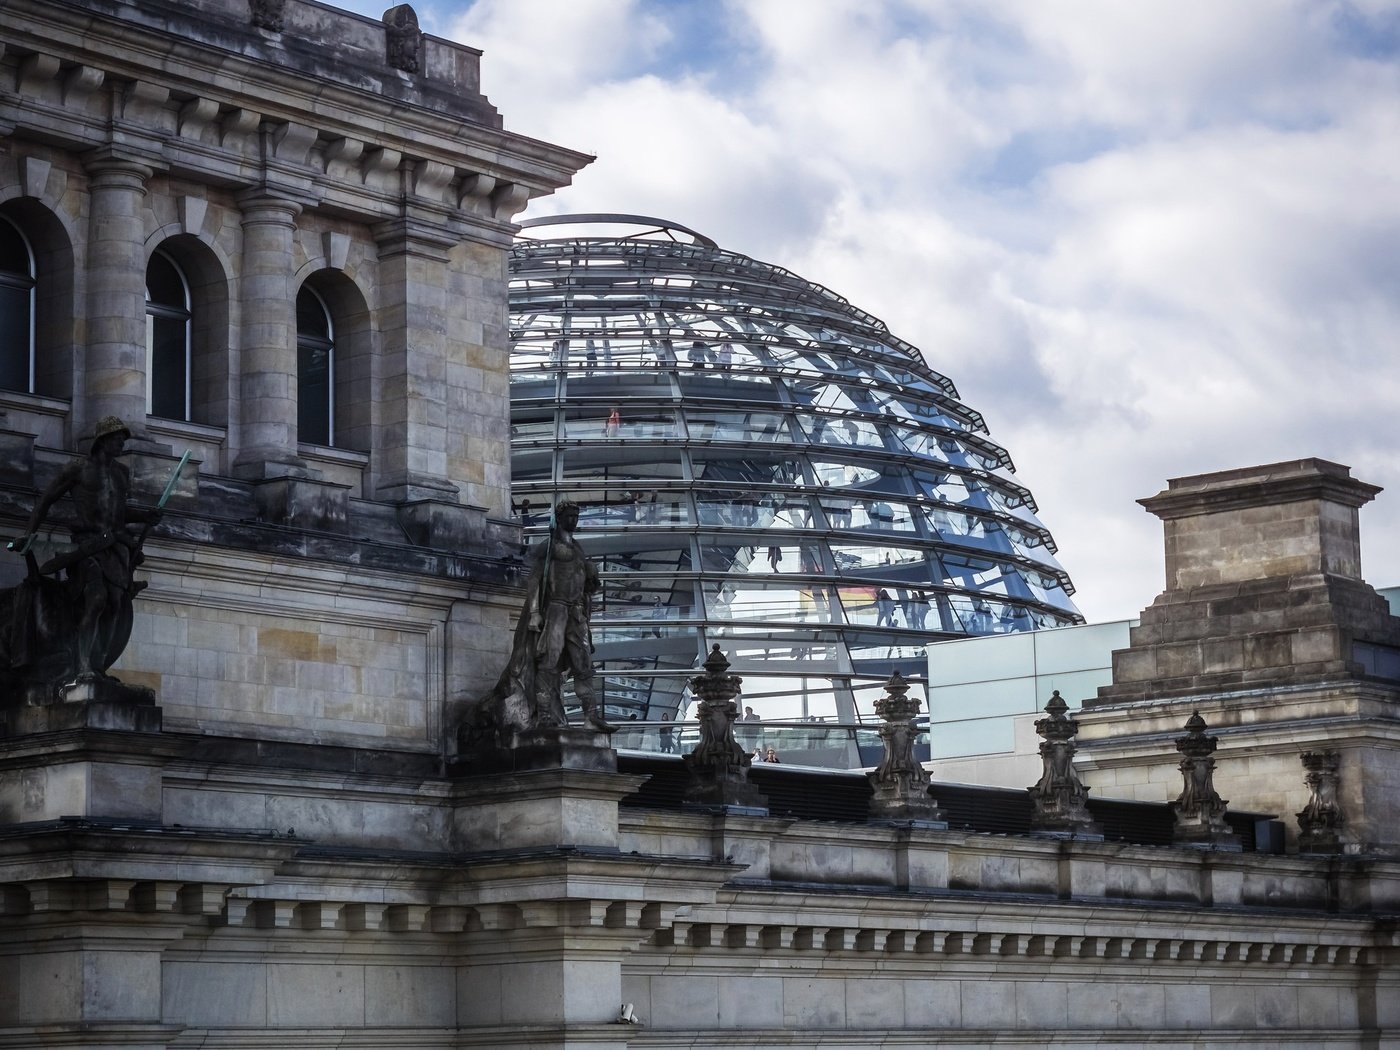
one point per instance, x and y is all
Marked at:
(96, 753)
(722, 789)
(556, 747)
(540, 808)
(85, 703)
(1205, 835)
(556, 786)
(905, 805)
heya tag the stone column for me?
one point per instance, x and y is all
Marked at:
(410, 448)
(114, 372)
(267, 429)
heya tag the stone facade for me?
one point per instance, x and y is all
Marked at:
(262, 161)
(283, 850)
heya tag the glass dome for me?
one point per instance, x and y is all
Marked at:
(760, 464)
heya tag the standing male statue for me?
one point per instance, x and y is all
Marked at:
(552, 640)
(100, 566)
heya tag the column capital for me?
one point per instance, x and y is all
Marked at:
(261, 205)
(114, 166)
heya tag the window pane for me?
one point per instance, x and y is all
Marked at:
(315, 371)
(167, 360)
(167, 340)
(14, 338)
(313, 393)
(14, 253)
(163, 284)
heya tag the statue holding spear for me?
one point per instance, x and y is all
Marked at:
(90, 630)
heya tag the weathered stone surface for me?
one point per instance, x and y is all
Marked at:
(1266, 628)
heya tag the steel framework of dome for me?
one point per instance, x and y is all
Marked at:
(759, 464)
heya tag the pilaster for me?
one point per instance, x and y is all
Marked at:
(411, 445)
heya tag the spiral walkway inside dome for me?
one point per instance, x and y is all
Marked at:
(760, 464)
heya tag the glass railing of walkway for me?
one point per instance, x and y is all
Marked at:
(829, 745)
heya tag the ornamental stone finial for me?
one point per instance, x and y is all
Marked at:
(900, 781)
(267, 14)
(1199, 811)
(403, 40)
(719, 767)
(1059, 799)
(1320, 821)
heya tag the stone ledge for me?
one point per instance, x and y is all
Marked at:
(1262, 486)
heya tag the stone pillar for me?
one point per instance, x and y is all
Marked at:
(267, 431)
(1320, 821)
(1060, 801)
(719, 767)
(114, 372)
(410, 448)
(1268, 628)
(1199, 810)
(900, 781)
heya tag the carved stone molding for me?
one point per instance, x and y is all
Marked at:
(1059, 798)
(403, 40)
(719, 767)
(1320, 821)
(900, 782)
(1199, 810)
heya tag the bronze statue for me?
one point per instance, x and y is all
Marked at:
(76, 628)
(552, 640)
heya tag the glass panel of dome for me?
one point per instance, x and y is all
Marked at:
(615, 465)
(901, 564)
(737, 509)
(673, 644)
(884, 515)
(727, 557)
(875, 606)
(754, 465)
(719, 425)
(739, 598)
(532, 386)
(618, 420)
(778, 697)
(660, 508)
(642, 550)
(723, 385)
(620, 602)
(789, 650)
(619, 385)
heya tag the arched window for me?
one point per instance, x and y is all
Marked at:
(315, 370)
(167, 339)
(16, 309)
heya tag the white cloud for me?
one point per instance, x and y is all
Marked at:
(1145, 240)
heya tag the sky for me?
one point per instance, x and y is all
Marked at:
(1145, 239)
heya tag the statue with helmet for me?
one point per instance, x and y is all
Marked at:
(71, 618)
